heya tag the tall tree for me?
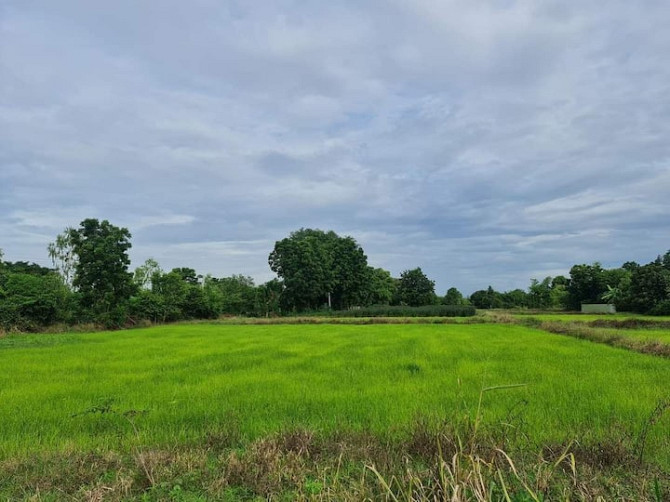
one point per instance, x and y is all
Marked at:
(101, 273)
(650, 285)
(415, 288)
(453, 297)
(63, 256)
(319, 268)
(381, 287)
(144, 274)
(539, 293)
(587, 285)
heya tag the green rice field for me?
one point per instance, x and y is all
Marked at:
(125, 415)
(188, 380)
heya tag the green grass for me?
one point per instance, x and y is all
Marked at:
(576, 317)
(193, 380)
(647, 334)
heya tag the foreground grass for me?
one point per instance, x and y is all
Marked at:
(212, 393)
(458, 463)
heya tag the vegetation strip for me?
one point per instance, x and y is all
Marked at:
(459, 461)
(603, 336)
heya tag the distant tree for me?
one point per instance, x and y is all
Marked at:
(539, 293)
(559, 294)
(650, 285)
(516, 298)
(664, 260)
(238, 295)
(487, 299)
(172, 292)
(188, 275)
(617, 283)
(144, 273)
(415, 288)
(63, 256)
(101, 272)
(630, 265)
(381, 287)
(268, 298)
(558, 281)
(29, 301)
(587, 285)
(453, 297)
(24, 267)
(319, 268)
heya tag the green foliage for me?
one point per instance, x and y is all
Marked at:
(453, 297)
(517, 298)
(487, 299)
(407, 311)
(315, 266)
(587, 285)
(63, 256)
(415, 288)
(101, 276)
(237, 295)
(539, 294)
(649, 286)
(147, 305)
(188, 275)
(30, 301)
(268, 298)
(381, 287)
(661, 308)
(24, 267)
(144, 273)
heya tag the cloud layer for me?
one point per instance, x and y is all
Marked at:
(487, 142)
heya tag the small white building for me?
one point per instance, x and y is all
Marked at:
(598, 308)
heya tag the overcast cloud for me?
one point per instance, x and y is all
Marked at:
(488, 142)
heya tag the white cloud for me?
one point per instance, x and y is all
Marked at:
(484, 141)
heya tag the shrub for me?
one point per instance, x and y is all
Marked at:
(406, 311)
(661, 308)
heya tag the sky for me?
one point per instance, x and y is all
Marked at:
(487, 142)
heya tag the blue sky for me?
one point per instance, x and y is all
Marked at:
(488, 142)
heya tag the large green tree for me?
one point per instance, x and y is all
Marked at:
(319, 268)
(587, 285)
(415, 288)
(101, 277)
(453, 297)
(381, 287)
(650, 285)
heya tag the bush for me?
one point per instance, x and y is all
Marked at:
(31, 301)
(661, 308)
(406, 311)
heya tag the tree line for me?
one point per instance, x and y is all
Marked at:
(91, 282)
(632, 287)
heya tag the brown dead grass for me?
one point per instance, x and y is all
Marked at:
(428, 463)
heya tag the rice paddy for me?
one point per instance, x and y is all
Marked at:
(173, 385)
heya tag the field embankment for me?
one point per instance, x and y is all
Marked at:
(639, 334)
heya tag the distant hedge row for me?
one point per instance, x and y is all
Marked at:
(405, 311)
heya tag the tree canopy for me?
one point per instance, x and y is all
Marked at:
(319, 268)
(101, 274)
(415, 288)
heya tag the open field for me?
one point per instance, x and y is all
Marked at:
(172, 386)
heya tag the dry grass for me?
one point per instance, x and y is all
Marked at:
(438, 463)
(607, 337)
